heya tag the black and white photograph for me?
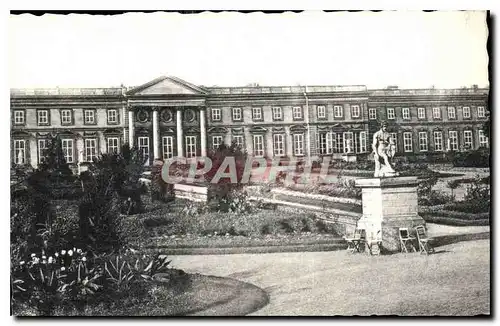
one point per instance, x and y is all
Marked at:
(229, 163)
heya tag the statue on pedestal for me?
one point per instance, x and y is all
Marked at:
(384, 148)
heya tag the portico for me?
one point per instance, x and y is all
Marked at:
(173, 113)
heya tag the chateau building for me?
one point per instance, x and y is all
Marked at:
(170, 117)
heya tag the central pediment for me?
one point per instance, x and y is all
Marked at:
(167, 85)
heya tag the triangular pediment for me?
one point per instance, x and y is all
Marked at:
(167, 85)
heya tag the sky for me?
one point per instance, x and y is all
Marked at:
(408, 49)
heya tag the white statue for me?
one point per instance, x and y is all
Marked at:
(384, 148)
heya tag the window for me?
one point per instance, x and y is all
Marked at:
(20, 151)
(407, 142)
(338, 111)
(436, 113)
(298, 144)
(67, 148)
(216, 141)
(481, 113)
(42, 150)
(257, 114)
(89, 117)
(466, 112)
(338, 142)
(451, 112)
(190, 146)
(277, 113)
(113, 145)
(394, 137)
(406, 113)
(91, 149)
(422, 141)
(438, 141)
(43, 117)
(279, 144)
(112, 116)
(237, 116)
(483, 140)
(348, 142)
(258, 145)
(321, 111)
(421, 113)
(372, 114)
(355, 111)
(468, 139)
(297, 112)
(66, 117)
(19, 117)
(167, 144)
(143, 145)
(238, 140)
(390, 113)
(216, 114)
(453, 139)
(325, 143)
(362, 142)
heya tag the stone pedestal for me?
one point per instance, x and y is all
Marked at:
(389, 204)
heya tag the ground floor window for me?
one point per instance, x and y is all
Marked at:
(468, 139)
(279, 144)
(348, 142)
(216, 141)
(143, 145)
(167, 143)
(238, 140)
(438, 141)
(298, 144)
(42, 149)
(394, 137)
(258, 145)
(483, 140)
(407, 142)
(325, 143)
(422, 141)
(67, 148)
(360, 141)
(20, 151)
(90, 149)
(113, 145)
(190, 146)
(453, 139)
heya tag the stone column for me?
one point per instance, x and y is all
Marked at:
(203, 133)
(131, 128)
(180, 142)
(156, 132)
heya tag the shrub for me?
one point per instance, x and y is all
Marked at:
(476, 158)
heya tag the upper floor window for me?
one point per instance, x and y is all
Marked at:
(237, 115)
(277, 113)
(421, 113)
(451, 112)
(406, 113)
(112, 116)
(19, 117)
(297, 112)
(391, 114)
(338, 111)
(466, 111)
(481, 113)
(436, 113)
(66, 117)
(257, 114)
(89, 117)
(355, 111)
(216, 114)
(43, 117)
(321, 111)
(372, 114)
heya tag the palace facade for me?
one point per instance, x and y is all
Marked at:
(170, 117)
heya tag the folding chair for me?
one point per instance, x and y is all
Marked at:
(406, 240)
(353, 243)
(423, 240)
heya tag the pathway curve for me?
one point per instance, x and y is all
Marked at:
(454, 281)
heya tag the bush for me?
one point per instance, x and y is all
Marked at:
(434, 197)
(478, 158)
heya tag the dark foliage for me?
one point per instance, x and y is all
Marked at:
(479, 158)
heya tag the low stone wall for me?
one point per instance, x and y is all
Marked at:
(191, 192)
(315, 197)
